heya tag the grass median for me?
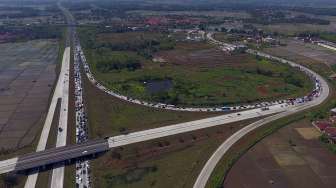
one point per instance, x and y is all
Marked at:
(241, 147)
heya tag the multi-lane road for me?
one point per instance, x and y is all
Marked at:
(58, 95)
(63, 153)
(221, 151)
(70, 152)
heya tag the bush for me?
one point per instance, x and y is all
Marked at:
(118, 62)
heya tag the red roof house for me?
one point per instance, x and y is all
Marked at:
(330, 131)
(322, 125)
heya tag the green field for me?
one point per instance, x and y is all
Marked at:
(328, 36)
(174, 161)
(196, 73)
(109, 116)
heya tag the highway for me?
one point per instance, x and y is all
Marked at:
(209, 167)
(82, 167)
(31, 180)
(58, 173)
(79, 150)
(150, 134)
(220, 152)
(69, 152)
(63, 153)
(323, 91)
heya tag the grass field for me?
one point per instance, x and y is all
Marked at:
(287, 158)
(328, 36)
(239, 149)
(109, 116)
(197, 73)
(168, 162)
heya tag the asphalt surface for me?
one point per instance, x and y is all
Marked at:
(59, 154)
(31, 180)
(220, 152)
(58, 173)
(82, 167)
(69, 152)
(63, 153)
(140, 136)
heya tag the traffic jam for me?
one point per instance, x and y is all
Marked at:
(316, 92)
(82, 167)
(263, 105)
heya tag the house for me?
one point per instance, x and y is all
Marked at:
(333, 111)
(322, 125)
(331, 133)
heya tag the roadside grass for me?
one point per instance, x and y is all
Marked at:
(293, 29)
(324, 139)
(44, 178)
(12, 180)
(322, 111)
(222, 168)
(172, 161)
(70, 170)
(328, 37)
(246, 80)
(110, 116)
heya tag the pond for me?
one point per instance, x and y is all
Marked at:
(157, 86)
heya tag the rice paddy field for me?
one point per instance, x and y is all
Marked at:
(27, 75)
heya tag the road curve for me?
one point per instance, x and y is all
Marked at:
(101, 87)
(209, 167)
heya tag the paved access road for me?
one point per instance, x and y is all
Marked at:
(69, 152)
(58, 173)
(31, 180)
(220, 152)
(193, 125)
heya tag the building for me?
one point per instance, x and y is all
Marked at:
(333, 112)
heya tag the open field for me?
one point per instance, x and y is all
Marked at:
(287, 158)
(168, 162)
(109, 116)
(27, 73)
(235, 14)
(244, 145)
(291, 29)
(190, 73)
(223, 37)
(308, 50)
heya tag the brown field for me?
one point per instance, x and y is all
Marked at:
(308, 50)
(198, 54)
(236, 14)
(285, 159)
(127, 37)
(177, 160)
(26, 82)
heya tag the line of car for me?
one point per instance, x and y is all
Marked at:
(317, 83)
(262, 105)
(82, 167)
